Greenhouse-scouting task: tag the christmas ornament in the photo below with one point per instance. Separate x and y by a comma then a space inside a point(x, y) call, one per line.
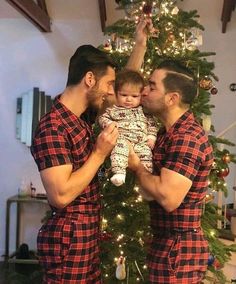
point(104, 236)
point(171, 37)
point(206, 122)
point(232, 87)
point(175, 11)
point(205, 83)
point(147, 9)
point(226, 158)
point(223, 173)
point(214, 165)
point(107, 45)
point(217, 265)
point(191, 43)
point(209, 198)
point(130, 10)
point(120, 269)
point(210, 260)
point(214, 91)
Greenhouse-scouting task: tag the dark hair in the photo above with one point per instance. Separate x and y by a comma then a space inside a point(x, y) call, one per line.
point(181, 79)
point(127, 76)
point(87, 58)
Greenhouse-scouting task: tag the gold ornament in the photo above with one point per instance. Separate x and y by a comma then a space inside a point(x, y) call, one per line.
point(209, 198)
point(226, 158)
point(206, 83)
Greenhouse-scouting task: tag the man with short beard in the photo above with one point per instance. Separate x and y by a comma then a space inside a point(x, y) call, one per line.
point(68, 159)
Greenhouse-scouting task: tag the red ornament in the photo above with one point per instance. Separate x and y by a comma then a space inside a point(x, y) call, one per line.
point(147, 9)
point(104, 236)
point(223, 173)
point(217, 265)
point(214, 91)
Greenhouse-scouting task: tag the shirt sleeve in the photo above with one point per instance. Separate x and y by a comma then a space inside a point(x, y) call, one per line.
point(51, 148)
point(105, 118)
point(184, 155)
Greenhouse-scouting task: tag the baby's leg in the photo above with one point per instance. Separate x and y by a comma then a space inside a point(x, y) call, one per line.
point(119, 161)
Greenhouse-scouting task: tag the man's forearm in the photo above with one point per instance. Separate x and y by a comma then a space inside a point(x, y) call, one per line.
point(136, 58)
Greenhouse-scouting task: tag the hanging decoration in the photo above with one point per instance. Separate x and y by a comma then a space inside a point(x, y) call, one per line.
point(209, 197)
point(120, 269)
point(206, 83)
point(105, 236)
point(226, 158)
point(214, 91)
point(223, 172)
point(194, 40)
point(211, 260)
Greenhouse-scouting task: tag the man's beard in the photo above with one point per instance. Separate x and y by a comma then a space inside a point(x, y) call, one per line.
point(92, 110)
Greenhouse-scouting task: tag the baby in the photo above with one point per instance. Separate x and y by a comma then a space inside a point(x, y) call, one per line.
point(134, 127)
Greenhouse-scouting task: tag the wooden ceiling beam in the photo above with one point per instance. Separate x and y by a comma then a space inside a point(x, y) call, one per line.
point(103, 13)
point(228, 7)
point(36, 14)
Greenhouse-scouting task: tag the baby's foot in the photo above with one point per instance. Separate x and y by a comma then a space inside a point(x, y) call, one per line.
point(118, 179)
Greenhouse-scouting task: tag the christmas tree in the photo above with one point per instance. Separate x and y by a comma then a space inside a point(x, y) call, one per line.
point(125, 220)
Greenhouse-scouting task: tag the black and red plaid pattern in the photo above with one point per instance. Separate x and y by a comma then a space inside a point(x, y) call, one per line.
point(68, 249)
point(178, 258)
point(63, 138)
point(186, 150)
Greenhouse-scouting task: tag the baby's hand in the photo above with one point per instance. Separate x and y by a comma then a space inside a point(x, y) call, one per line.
point(151, 143)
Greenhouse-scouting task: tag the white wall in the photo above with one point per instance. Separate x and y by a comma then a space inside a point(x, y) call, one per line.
point(29, 58)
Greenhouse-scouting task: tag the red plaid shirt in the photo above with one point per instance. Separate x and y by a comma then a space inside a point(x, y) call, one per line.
point(63, 138)
point(184, 149)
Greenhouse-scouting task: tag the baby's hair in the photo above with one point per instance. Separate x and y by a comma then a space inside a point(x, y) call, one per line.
point(127, 76)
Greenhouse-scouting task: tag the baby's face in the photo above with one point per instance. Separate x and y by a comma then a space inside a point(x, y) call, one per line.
point(129, 96)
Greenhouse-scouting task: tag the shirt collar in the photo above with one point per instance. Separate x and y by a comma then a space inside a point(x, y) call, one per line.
point(67, 116)
point(182, 120)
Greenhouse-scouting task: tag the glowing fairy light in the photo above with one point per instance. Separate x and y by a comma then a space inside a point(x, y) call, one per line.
point(212, 233)
point(120, 237)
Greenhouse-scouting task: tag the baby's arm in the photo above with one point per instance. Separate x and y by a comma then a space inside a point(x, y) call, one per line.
point(105, 118)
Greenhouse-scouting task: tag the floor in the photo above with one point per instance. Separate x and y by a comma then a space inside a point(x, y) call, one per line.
point(20, 274)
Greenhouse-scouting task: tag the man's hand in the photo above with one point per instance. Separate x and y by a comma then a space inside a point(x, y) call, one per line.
point(136, 58)
point(143, 28)
point(106, 140)
point(151, 143)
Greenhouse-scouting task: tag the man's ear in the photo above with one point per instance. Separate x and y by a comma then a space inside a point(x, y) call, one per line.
point(173, 98)
point(90, 79)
